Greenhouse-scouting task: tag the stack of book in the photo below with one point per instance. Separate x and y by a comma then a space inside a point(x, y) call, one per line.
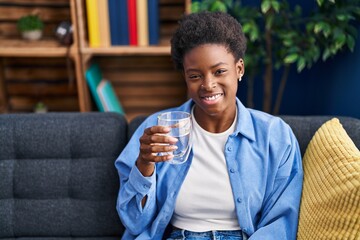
point(102, 91)
point(122, 22)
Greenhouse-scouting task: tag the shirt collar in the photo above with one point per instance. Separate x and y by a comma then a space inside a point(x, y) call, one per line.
point(244, 125)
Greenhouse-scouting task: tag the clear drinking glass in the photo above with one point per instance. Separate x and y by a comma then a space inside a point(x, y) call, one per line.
point(180, 124)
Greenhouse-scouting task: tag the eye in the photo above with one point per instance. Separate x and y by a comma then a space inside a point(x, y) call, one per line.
point(194, 77)
point(220, 71)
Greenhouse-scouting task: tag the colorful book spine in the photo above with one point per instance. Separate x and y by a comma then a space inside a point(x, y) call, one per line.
point(119, 22)
point(93, 77)
point(93, 23)
point(104, 25)
point(114, 19)
point(101, 96)
point(133, 38)
point(123, 22)
point(108, 97)
point(142, 22)
point(154, 22)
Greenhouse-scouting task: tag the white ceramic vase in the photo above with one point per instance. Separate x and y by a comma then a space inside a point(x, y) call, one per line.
point(32, 35)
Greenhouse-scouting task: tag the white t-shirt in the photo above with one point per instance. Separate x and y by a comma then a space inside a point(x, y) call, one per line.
point(205, 201)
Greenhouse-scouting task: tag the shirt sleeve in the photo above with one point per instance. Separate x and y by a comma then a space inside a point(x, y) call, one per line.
point(133, 188)
point(280, 211)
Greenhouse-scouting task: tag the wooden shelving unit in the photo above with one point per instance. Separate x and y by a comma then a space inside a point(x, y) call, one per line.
point(140, 51)
point(41, 48)
point(143, 77)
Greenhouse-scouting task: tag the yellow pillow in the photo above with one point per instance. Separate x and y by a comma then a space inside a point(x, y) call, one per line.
point(330, 203)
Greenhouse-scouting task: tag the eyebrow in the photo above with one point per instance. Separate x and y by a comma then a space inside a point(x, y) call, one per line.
point(218, 64)
point(213, 66)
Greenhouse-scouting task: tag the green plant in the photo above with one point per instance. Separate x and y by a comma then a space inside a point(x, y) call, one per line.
point(279, 36)
point(30, 22)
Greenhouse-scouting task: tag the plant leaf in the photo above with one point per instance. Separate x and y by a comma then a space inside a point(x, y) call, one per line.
point(276, 6)
point(324, 27)
point(326, 54)
point(301, 63)
point(344, 17)
point(218, 6)
point(320, 2)
point(291, 58)
point(269, 21)
point(350, 41)
point(195, 7)
point(265, 6)
point(246, 27)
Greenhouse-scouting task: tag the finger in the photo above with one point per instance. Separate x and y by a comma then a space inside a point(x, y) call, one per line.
point(157, 138)
point(157, 130)
point(155, 149)
point(153, 158)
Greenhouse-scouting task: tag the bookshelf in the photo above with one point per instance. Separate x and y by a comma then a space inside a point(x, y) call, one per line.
point(143, 77)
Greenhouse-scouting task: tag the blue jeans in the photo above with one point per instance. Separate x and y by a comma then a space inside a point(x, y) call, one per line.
point(210, 235)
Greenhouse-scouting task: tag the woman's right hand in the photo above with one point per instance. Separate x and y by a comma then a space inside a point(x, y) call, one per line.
point(154, 141)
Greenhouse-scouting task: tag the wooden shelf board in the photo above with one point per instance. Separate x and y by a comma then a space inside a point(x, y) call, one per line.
point(128, 50)
point(41, 48)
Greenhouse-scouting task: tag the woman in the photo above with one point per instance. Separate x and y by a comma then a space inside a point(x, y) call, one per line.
point(243, 176)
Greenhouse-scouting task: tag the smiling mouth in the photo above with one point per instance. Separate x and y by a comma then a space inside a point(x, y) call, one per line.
point(213, 97)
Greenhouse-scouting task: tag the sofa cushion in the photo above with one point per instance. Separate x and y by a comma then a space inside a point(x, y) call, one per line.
point(57, 174)
point(330, 204)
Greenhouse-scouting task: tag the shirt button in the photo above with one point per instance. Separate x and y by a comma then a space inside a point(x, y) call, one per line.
point(239, 200)
point(145, 186)
point(232, 170)
point(229, 149)
point(244, 230)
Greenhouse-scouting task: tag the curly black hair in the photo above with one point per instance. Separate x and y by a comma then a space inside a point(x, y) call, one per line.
point(207, 27)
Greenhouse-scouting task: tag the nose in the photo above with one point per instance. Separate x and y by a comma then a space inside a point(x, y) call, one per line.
point(208, 83)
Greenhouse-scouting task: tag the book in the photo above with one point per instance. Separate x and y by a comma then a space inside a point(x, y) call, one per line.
point(114, 19)
point(154, 22)
point(104, 26)
point(93, 77)
point(142, 22)
point(119, 23)
point(108, 97)
point(124, 23)
point(93, 23)
point(133, 38)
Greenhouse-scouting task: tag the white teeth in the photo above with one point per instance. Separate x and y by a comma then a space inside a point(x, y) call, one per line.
point(212, 98)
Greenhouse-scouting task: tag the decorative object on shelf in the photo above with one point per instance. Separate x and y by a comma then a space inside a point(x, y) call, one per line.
point(64, 33)
point(30, 27)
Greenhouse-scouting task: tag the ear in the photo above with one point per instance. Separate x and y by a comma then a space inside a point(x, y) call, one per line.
point(240, 68)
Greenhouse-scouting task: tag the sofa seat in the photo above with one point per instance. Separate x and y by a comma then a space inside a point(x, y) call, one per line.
point(58, 177)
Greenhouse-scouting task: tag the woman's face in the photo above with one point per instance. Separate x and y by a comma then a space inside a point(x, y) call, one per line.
point(211, 75)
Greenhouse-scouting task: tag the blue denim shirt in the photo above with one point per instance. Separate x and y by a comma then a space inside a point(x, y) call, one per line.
point(265, 170)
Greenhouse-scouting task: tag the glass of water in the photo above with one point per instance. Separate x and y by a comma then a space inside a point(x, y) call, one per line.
point(180, 125)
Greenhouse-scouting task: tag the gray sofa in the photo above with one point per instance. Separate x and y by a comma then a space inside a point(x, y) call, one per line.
point(57, 175)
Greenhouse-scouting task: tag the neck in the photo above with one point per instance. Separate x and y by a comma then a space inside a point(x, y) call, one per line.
point(215, 123)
